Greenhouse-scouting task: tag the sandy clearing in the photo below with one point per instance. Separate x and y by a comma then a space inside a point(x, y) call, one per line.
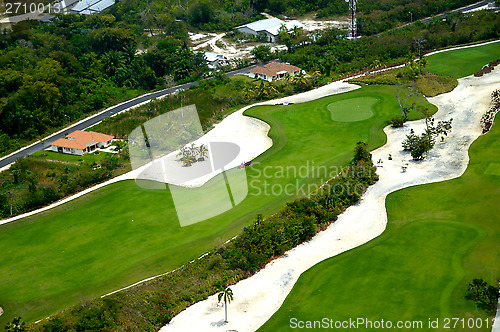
point(258, 297)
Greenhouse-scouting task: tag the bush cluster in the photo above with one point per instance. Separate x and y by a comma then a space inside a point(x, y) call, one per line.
point(419, 146)
point(33, 182)
point(484, 295)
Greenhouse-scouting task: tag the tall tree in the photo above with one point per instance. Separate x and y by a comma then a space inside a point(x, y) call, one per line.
point(224, 293)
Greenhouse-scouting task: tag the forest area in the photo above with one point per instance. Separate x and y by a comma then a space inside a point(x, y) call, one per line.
point(73, 66)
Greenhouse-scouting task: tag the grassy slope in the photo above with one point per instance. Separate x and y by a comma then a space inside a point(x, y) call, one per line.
point(464, 62)
point(91, 246)
point(420, 266)
point(88, 158)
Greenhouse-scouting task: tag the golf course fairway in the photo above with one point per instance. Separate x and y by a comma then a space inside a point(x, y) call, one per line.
point(463, 62)
point(120, 234)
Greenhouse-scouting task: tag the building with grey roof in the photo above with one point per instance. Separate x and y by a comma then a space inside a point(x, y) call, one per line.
point(269, 28)
point(87, 7)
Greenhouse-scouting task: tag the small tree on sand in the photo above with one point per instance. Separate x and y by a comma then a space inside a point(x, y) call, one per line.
point(403, 94)
point(224, 293)
point(202, 152)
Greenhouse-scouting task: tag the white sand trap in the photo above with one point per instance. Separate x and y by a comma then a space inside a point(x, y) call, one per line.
point(258, 297)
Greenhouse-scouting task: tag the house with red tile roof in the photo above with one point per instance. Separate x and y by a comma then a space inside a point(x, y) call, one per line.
point(273, 71)
point(81, 142)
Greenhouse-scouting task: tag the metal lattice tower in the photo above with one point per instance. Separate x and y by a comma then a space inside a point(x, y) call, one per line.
point(353, 26)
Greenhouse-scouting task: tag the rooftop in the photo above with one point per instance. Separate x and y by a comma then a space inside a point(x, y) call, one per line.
point(271, 25)
point(81, 139)
point(273, 68)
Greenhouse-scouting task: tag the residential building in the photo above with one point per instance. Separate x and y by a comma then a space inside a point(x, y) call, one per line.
point(273, 71)
point(88, 7)
point(81, 142)
point(215, 60)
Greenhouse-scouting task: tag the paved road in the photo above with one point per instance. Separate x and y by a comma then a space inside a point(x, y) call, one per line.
point(463, 9)
point(92, 120)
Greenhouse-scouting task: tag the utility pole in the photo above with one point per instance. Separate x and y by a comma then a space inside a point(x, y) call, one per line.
point(352, 21)
point(69, 118)
point(411, 17)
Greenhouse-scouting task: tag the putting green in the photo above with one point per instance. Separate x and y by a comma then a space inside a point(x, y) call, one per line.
point(352, 110)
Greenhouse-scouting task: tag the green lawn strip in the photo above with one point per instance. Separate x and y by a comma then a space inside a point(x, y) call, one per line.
point(439, 237)
point(88, 158)
point(463, 62)
point(91, 246)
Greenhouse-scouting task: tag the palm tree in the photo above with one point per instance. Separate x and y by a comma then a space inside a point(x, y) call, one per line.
point(376, 65)
point(193, 150)
point(422, 64)
point(249, 91)
point(315, 75)
point(288, 78)
point(264, 90)
point(129, 52)
point(202, 152)
point(112, 61)
point(226, 293)
point(410, 62)
point(185, 155)
point(300, 79)
point(17, 325)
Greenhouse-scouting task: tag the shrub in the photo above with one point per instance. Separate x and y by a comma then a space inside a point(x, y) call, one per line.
point(484, 295)
point(420, 145)
point(215, 261)
point(55, 324)
point(397, 122)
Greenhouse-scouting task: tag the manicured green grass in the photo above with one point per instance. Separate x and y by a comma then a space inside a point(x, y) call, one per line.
point(121, 233)
point(439, 237)
point(352, 110)
point(463, 62)
point(88, 158)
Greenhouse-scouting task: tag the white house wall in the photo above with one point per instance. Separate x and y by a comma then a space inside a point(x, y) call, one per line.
point(247, 31)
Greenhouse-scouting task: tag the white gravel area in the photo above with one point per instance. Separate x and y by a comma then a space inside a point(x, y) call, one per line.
point(258, 297)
